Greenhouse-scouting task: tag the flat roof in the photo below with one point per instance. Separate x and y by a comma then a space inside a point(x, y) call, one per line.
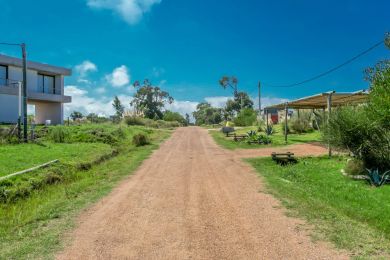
point(321, 100)
point(42, 67)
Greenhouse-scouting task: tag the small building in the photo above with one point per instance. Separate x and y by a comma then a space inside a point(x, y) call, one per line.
point(273, 115)
point(45, 90)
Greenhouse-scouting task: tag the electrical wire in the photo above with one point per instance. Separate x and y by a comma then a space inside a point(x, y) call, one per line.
point(12, 44)
point(328, 71)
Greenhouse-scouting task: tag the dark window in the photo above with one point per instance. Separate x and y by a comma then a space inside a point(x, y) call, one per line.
point(3, 75)
point(46, 84)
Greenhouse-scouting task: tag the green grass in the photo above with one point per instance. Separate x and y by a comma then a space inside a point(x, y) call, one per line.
point(19, 157)
point(277, 138)
point(349, 213)
point(34, 227)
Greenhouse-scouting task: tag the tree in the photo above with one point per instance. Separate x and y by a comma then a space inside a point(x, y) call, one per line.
point(174, 116)
point(150, 100)
point(92, 117)
point(119, 108)
point(76, 115)
point(229, 82)
point(206, 114)
point(241, 100)
point(387, 40)
point(365, 130)
point(188, 119)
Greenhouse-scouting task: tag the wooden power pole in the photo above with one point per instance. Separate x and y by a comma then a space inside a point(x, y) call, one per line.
point(259, 100)
point(23, 45)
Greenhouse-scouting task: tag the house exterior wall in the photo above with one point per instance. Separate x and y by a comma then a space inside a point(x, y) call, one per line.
point(48, 105)
point(48, 111)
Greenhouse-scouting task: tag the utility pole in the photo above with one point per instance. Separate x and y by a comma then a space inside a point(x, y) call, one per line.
point(23, 46)
point(259, 100)
point(20, 111)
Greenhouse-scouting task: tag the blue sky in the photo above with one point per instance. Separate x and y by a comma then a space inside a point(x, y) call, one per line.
point(186, 46)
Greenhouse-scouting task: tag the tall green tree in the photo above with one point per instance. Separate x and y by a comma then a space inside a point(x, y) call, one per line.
point(188, 119)
point(76, 115)
point(206, 114)
point(92, 117)
point(174, 116)
point(119, 108)
point(150, 100)
point(240, 101)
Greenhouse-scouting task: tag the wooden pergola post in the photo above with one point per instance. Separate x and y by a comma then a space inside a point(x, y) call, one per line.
point(285, 122)
point(329, 105)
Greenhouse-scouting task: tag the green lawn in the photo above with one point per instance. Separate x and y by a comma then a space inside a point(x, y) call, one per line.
point(19, 157)
point(351, 214)
point(33, 228)
point(277, 138)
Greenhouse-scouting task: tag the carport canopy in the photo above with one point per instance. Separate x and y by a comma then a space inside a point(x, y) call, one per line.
point(320, 101)
point(323, 101)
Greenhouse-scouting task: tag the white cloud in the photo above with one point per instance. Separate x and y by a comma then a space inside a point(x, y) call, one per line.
point(182, 107)
point(217, 101)
point(100, 90)
point(85, 67)
point(220, 101)
point(131, 11)
point(267, 101)
point(81, 101)
point(119, 77)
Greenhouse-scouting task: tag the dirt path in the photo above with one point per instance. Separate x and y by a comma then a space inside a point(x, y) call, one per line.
point(192, 199)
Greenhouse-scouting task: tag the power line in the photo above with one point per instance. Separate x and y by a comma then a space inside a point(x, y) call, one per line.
point(328, 71)
point(12, 44)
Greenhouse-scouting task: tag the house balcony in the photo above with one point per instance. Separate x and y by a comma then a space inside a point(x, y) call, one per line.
point(10, 87)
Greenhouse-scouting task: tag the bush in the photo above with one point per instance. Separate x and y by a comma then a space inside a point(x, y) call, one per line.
point(300, 126)
point(350, 128)
point(302, 123)
point(59, 134)
point(354, 167)
point(246, 117)
point(174, 116)
point(134, 120)
point(140, 140)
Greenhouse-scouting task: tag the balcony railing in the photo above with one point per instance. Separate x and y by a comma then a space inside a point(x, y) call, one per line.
point(9, 83)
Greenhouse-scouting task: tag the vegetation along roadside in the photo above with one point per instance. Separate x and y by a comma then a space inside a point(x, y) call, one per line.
point(37, 208)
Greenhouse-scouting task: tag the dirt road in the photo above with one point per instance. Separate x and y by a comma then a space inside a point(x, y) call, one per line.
point(192, 200)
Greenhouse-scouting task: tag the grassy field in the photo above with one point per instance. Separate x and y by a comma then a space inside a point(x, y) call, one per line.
point(349, 213)
point(19, 157)
point(33, 227)
point(277, 138)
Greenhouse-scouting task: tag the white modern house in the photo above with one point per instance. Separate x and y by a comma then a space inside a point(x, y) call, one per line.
point(45, 90)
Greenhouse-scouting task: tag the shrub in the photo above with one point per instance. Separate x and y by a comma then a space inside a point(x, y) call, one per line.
point(134, 120)
point(140, 140)
point(350, 128)
point(246, 117)
point(59, 134)
point(302, 123)
point(354, 167)
point(174, 116)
